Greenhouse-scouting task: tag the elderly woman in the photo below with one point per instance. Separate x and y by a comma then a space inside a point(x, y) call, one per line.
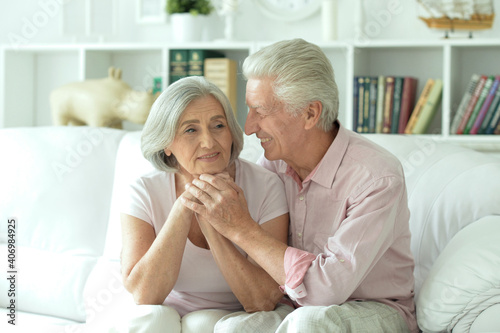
point(174, 263)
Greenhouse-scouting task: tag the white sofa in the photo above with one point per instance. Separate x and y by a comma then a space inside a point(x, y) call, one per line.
point(61, 185)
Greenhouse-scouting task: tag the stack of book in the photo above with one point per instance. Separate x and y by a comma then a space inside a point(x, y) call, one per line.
point(387, 104)
point(479, 108)
point(208, 63)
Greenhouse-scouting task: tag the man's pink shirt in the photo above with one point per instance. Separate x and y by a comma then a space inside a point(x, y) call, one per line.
point(349, 233)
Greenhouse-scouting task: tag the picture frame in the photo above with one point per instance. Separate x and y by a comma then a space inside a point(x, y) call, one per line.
point(151, 11)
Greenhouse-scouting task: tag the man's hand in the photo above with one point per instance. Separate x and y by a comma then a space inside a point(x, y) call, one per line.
point(219, 201)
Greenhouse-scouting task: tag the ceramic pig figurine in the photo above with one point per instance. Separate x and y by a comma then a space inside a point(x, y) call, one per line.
point(101, 102)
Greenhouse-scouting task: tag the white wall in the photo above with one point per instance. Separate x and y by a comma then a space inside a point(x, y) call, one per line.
point(39, 21)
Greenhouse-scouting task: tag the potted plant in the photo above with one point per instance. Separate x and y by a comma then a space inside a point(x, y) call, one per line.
point(188, 18)
point(194, 7)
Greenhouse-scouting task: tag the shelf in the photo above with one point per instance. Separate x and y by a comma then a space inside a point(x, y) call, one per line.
point(30, 72)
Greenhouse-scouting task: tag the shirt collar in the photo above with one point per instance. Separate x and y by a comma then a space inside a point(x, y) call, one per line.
point(324, 173)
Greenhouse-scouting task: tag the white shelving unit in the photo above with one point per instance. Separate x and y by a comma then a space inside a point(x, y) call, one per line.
point(28, 74)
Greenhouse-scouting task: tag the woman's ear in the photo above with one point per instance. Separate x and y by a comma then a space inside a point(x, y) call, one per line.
point(312, 114)
point(167, 151)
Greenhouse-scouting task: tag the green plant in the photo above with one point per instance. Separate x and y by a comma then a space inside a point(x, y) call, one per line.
point(195, 7)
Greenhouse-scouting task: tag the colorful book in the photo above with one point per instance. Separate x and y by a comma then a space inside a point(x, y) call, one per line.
point(464, 103)
point(178, 65)
point(366, 104)
point(485, 107)
point(388, 104)
point(490, 113)
point(223, 73)
point(361, 99)
point(495, 121)
point(396, 103)
point(479, 104)
point(419, 106)
point(355, 94)
point(472, 103)
point(372, 113)
point(430, 108)
point(196, 60)
point(380, 104)
point(407, 102)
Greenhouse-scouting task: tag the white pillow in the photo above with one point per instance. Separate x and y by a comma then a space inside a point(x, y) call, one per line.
point(464, 281)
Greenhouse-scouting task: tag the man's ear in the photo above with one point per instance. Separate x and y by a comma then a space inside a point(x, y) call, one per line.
point(312, 114)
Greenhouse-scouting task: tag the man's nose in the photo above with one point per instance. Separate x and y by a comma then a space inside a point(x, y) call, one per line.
point(251, 123)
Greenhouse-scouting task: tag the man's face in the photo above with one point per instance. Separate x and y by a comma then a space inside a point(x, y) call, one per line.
point(279, 132)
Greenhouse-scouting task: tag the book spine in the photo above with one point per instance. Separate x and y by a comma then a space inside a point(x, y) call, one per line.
point(388, 104)
point(479, 104)
point(197, 60)
point(222, 73)
point(472, 103)
point(495, 121)
point(355, 94)
point(486, 105)
point(396, 104)
point(430, 108)
point(464, 102)
point(178, 65)
point(419, 106)
point(380, 104)
point(361, 98)
point(407, 102)
point(373, 105)
point(366, 105)
point(491, 113)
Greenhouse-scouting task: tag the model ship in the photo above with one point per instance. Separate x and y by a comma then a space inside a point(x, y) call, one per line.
point(454, 15)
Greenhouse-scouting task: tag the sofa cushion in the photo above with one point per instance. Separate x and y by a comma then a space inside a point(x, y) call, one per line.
point(464, 281)
point(59, 181)
point(449, 187)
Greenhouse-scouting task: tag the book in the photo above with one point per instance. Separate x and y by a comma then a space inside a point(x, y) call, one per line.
point(355, 94)
point(396, 103)
point(430, 108)
point(485, 107)
point(490, 113)
point(495, 121)
point(479, 104)
point(223, 73)
point(470, 107)
point(459, 114)
point(419, 106)
point(361, 98)
point(379, 122)
point(196, 60)
point(372, 113)
point(366, 105)
point(388, 104)
point(407, 102)
point(178, 65)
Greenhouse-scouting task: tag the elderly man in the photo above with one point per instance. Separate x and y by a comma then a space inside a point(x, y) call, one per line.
point(347, 266)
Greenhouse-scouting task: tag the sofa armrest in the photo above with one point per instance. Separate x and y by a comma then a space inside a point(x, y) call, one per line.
point(464, 280)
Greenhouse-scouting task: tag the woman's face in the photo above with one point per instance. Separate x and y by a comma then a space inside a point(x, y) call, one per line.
point(202, 143)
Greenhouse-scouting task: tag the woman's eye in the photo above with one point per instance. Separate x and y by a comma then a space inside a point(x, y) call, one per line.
point(189, 130)
point(220, 126)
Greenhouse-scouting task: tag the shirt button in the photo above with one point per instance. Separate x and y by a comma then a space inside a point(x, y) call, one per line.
point(299, 234)
point(301, 198)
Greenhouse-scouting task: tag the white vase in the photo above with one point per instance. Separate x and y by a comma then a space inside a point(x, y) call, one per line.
point(186, 27)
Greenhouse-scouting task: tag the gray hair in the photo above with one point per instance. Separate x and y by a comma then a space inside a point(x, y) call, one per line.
point(163, 120)
point(301, 74)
